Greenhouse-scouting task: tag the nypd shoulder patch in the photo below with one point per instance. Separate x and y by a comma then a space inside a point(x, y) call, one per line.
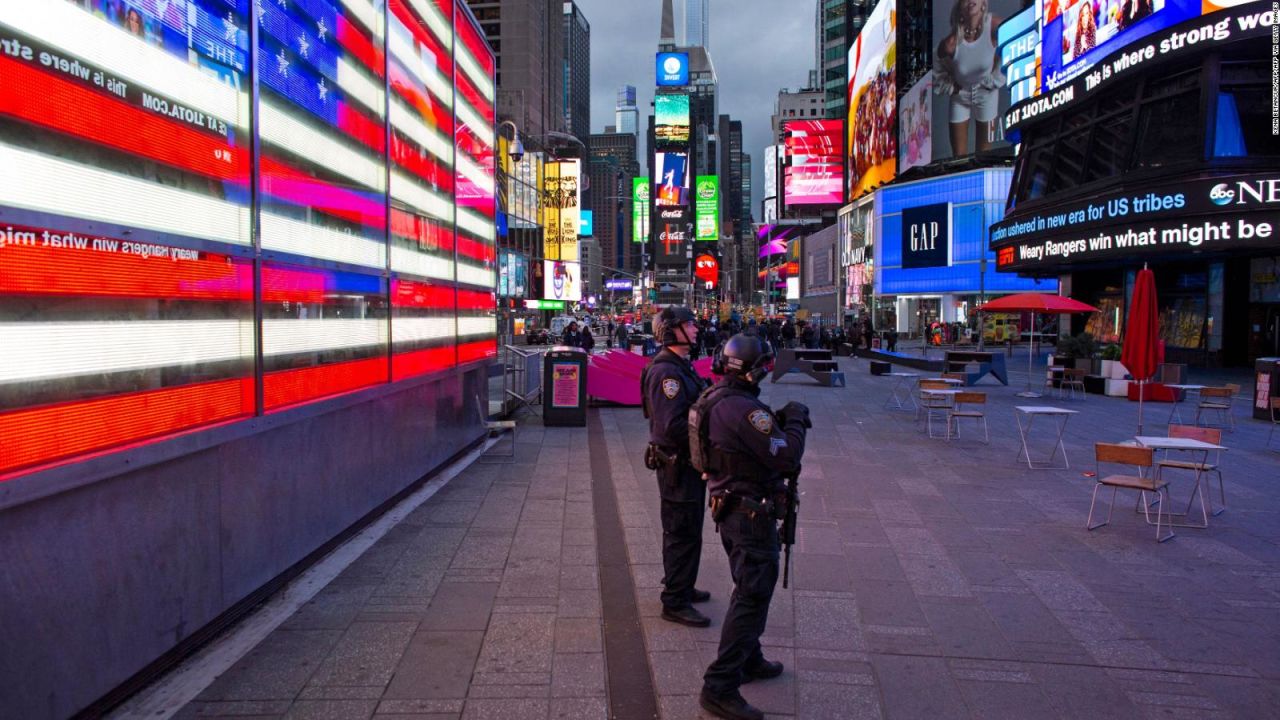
point(761, 420)
point(671, 388)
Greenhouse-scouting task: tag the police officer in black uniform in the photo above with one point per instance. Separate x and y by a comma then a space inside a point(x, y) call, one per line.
point(750, 450)
point(669, 386)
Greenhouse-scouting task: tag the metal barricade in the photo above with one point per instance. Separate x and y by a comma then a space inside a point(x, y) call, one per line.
point(521, 378)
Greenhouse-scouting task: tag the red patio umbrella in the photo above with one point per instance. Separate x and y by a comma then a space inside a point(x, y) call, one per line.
point(1035, 303)
point(1142, 335)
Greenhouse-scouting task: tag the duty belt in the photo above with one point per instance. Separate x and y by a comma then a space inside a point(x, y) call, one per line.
point(743, 504)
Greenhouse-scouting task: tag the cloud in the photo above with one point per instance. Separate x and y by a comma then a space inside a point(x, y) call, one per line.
point(758, 47)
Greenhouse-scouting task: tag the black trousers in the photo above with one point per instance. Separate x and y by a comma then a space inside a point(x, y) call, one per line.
point(752, 544)
point(683, 507)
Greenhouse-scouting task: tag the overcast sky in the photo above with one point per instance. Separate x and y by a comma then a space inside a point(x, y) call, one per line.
point(758, 47)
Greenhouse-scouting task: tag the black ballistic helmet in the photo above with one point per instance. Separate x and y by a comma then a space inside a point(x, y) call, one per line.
point(744, 356)
point(668, 320)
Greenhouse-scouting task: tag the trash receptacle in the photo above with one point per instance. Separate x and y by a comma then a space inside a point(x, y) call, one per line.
point(1266, 386)
point(564, 391)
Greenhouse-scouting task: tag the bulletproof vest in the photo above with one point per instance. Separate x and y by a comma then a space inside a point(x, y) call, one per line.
point(702, 455)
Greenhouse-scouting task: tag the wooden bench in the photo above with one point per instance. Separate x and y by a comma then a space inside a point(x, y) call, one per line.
point(817, 364)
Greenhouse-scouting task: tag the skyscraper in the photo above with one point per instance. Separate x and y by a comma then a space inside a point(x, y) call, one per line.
point(528, 39)
point(836, 23)
point(697, 19)
point(626, 114)
point(576, 99)
point(612, 165)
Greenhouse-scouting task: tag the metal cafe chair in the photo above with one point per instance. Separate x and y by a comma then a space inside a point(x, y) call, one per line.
point(1218, 399)
point(972, 406)
point(495, 429)
point(1209, 435)
point(1146, 481)
point(1072, 381)
point(932, 403)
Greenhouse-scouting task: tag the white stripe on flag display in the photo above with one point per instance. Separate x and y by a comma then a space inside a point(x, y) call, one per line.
point(287, 337)
point(66, 26)
point(366, 13)
point(476, 326)
point(300, 238)
point(407, 54)
point(438, 23)
point(434, 267)
point(416, 329)
point(472, 275)
point(482, 130)
point(473, 172)
point(48, 350)
point(280, 128)
point(477, 225)
point(39, 182)
point(358, 85)
point(474, 73)
point(428, 138)
point(405, 189)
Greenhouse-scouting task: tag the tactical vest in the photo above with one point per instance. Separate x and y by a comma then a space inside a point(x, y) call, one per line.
point(702, 455)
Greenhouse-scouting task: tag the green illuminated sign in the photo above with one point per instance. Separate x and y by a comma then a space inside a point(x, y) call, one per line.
point(706, 207)
point(640, 209)
point(544, 304)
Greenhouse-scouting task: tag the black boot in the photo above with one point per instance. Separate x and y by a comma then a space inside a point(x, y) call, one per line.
point(731, 707)
point(700, 596)
point(685, 616)
point(763, 670)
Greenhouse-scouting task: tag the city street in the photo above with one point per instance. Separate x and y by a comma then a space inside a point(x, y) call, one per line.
point(931, 579)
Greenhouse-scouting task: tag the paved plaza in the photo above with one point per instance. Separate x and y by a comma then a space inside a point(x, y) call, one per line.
point(931, 579)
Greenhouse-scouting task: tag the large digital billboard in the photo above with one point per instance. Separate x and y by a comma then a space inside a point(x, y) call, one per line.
point(560, 209)
point(561, 281)
point(671, 119)
point(813, 171)
point(129, 297)
point(872, 128)
point(671, 179)
point(672, 69)
point(706, 207)
point(969, 93)
point(1075, 34)
point(675, 231)
point(640, 209)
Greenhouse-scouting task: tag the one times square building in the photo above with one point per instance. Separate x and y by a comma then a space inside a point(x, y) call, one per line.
point(1148, 136)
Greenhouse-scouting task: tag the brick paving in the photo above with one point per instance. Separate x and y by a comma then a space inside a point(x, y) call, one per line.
point(931, 579)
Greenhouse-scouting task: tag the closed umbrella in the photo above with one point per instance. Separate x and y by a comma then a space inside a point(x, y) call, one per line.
point(1035, 303)
point(1141, 335)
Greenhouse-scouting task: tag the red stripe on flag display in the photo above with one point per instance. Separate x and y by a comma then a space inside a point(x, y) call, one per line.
point(478, 350)
point(428, 234)
point(419, 29)
point(433, 112)
point(475, 300)
point(423, 166)
point(41, 435)
point(289, 387)
point(62, 105)
point(287, 183)
point(361, 127)
point(477, 250)
point(101, 269)
point(468, 92)
point(475, 44)
point(421, 362)
point(409, 294)
point(360, 47)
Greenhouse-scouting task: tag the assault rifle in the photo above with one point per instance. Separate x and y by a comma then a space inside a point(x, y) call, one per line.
point(788, 530)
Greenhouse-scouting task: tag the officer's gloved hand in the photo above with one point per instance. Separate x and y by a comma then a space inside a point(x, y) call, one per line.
point(796, 411)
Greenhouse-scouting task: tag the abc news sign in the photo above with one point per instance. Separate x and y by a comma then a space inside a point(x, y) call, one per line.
point(1220, 213)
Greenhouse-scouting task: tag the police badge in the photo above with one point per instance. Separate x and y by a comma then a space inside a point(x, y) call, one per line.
point(761, 420)
point(671, 388)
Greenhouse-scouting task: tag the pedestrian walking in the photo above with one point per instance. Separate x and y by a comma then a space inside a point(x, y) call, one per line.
point(608, 334)
point(746, 451)
point(585, 340)
point(669, 386)
point(624, 338)
point(572, 337)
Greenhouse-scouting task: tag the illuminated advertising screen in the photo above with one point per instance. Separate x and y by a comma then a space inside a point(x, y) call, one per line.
point(560, 210)
point(968, 90)
point(706, 207)
point(586, 223)
point(671, 119)
point(707, 269)
point(127, 289)
point(814, 163)
point(639, 209)
point(1018, 43)
point(671, 179)
point(1075, 34)
point(675, 231)
point(915, 125)
point(561, 281)
point(672, 69)
point(872, 130)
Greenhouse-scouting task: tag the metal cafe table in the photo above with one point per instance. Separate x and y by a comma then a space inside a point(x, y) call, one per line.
point(901, 380)
point(1187, 445)
point(1031, 412)
point(1180, 391)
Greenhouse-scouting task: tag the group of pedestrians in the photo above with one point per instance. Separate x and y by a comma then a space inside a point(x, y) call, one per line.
point(744, 450)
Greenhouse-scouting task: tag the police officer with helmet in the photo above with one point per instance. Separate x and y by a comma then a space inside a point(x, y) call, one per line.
point(746, 451)
point(669, 386)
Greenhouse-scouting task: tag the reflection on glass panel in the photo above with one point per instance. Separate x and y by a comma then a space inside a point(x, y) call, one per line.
point(127, 115)
point(323, 169)
point(474, 183)
point(323, 332)
point(108, 342)
point(421, 70)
